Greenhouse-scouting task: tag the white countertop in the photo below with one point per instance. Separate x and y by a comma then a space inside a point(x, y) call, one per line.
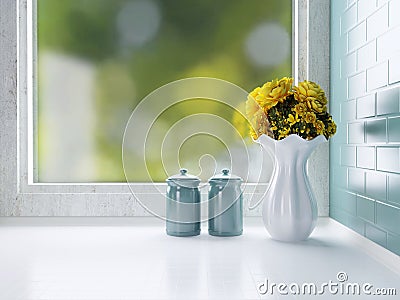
point(133, 258)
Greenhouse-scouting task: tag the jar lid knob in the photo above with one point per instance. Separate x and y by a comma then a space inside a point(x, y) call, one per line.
point(225, 171)
point(183, 171)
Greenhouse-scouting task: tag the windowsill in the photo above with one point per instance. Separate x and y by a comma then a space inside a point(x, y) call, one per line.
point(325, 230)
point(134, 258)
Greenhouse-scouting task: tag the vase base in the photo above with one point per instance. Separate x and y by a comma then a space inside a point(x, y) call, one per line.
point(289, 240)
point(293, 237)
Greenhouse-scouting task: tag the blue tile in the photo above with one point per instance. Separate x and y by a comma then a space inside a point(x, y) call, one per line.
point(377, 23)
point(394, 130)
point(388, 217)
point(357, 224)
point(393, 243)
point(335, 152)
point(387, 159)
point(348, 156)
point(394, 188)
point(340, 177)
point(348, 220)
point(338, 7)
point(356, 180)
point(357, 38)
point(366, 106)
point(387, 102)
point(337, 214)
point(356, 133)
point(375, 131)
point(394, 69)
point(366, 209)
point(364, 57)
point(377, 76)
point(334, 199)
point(348, 65)
point(366, 157)
point(348, 110)
point(375, 185)
point(339, 94)
point(340, 136)
point(348, 202)
point(375, 234)
point(349, 19)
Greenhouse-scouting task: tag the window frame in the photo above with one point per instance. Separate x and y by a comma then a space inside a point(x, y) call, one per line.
point(21, 196)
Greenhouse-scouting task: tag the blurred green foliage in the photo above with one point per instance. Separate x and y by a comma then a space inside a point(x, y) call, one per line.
point(195, 38)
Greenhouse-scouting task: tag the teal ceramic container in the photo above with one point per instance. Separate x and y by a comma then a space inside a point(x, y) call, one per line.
point(225, 206)
point(183, 205)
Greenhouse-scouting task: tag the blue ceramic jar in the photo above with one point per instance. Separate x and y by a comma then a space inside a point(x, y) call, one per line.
point(225, 206)
point(183, 205)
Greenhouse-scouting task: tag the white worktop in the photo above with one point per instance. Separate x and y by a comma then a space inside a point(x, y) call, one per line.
point(72, 258)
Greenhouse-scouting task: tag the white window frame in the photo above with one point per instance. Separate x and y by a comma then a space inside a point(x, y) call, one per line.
point(20, 196)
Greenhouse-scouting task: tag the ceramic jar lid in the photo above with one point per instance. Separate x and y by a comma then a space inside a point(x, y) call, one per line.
point(184, 179)
point(225, 176)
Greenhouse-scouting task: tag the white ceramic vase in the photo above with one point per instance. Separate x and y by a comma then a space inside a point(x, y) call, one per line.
point(289, 206)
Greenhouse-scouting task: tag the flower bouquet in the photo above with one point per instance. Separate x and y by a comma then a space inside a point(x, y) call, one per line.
point(289, 122)
point(279, 109)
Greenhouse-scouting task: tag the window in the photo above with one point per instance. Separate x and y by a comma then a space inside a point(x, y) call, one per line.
point(96, 60)
point(21, 192)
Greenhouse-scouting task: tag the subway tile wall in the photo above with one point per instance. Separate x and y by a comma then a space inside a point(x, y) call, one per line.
point(365, 102)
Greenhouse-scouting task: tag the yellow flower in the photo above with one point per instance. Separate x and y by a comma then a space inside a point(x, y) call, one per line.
point(273, 126)
point(257, 118)
point(318, 105)
point(310, 117)
point(300, 109)
point(284, 132)
point(252, 106)
point(319, 126)
point(303, 129)
point(307, 89)
point(259, 126)
point(312, 94)
point(277, 110)
point(331, 130)
point(273, 92)
point(293, 119)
